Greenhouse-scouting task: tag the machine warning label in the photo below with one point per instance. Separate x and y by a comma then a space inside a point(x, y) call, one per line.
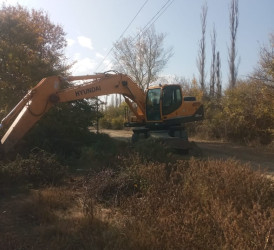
point(87, 91)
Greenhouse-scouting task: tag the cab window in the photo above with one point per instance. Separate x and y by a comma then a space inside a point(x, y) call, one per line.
point(153, 104)
point(172, 99)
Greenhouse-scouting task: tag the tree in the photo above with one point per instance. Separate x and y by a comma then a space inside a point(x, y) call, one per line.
point(218, 75)
point(142, 56)
point(234, 23)
point(31, 47)
point(202, 47)
point(248, 112)
point(265, 69)
point(213, 64)
point(113, 117)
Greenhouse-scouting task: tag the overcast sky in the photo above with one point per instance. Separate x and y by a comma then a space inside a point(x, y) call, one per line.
point(92, 26)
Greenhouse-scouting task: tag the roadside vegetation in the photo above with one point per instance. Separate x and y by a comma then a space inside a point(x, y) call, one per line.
point(244, 114)
point(113, 117)
point(248, 105)
point(131, 198)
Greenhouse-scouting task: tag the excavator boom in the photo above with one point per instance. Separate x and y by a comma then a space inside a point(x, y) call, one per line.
point(49, 92)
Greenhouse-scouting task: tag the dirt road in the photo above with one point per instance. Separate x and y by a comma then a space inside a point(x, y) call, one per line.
point(257, 157)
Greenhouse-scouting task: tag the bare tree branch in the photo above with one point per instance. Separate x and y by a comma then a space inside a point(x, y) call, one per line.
point(142, 57)
point(265, 70)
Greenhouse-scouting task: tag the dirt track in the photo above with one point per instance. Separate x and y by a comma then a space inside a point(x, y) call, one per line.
point(258, 157)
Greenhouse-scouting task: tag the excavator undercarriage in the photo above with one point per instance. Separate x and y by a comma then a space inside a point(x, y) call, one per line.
point(176, 139)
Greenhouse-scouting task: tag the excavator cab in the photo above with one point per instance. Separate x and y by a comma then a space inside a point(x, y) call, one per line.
point(167, 111)
point(166, 106)
point(162, 101)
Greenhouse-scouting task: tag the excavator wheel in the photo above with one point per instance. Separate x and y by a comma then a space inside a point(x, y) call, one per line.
point(176, 140)
point(140, 133)
point(134, 137)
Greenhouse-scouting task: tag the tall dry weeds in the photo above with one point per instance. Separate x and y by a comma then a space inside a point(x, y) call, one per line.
point(197, 205)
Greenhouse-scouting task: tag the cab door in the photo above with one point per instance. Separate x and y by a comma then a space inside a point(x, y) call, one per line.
point(153, 104)
point(172, 100)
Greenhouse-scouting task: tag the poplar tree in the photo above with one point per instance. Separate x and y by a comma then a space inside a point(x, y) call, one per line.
point(201, 60)
point(234, 23)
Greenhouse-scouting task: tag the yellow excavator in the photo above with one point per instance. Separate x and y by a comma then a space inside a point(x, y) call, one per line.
point(161, 108)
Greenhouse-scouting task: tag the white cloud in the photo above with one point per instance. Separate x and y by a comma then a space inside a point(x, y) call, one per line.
point(77, 56)
point(83, 66)
point(108, 65)
point(85, 42)
point(70, 41)
point(99, 55)
point(14, 2)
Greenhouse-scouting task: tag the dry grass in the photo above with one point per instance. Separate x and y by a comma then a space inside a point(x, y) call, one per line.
point(143, 204)
point(196, 204)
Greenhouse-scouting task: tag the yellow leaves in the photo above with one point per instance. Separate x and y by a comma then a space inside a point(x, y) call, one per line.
point(30, 49)
point(40, 40)
point(194, 82)
point(248, 110)
point(10, 56)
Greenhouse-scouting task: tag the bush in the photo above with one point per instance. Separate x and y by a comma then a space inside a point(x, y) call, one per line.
point(244, 114)
point(202, 205)
point(113, 117)
point(102, 153)
point(68, 134)
point(40, 168)
point(188, 204)
point(248, 112)
point(112, 187)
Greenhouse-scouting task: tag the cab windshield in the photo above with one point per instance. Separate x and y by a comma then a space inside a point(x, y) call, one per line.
point(153, 104)
point(172, 99)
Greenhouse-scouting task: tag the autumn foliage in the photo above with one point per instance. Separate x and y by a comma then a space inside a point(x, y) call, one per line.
point(244, 114)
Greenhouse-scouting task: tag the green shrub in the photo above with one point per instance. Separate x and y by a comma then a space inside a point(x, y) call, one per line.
point(62, 131)
point(117, 123)
point(105, 123)
point(40, 168)
point(102, 153)
point(244, 114)
point(113, 117)
point(248, 112)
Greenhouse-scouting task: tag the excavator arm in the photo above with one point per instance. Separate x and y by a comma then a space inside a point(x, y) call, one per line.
point(48, 92)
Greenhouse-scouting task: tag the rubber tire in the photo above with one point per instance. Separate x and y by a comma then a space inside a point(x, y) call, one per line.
point(135, 138)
